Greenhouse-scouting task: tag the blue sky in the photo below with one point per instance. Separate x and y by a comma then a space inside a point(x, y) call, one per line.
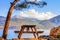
point(52, 6)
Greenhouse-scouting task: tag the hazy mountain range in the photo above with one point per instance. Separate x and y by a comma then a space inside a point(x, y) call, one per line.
point(17, 21)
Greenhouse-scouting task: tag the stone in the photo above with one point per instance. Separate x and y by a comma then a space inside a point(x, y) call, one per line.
point(55, 32)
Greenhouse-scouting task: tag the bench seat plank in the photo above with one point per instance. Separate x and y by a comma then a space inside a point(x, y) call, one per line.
point(29, 32)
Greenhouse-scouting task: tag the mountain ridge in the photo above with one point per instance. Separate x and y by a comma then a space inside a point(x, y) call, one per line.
point(41, 23)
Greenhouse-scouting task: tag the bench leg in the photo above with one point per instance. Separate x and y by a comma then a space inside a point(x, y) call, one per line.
point(36, 31)
point(20, 33)
point(33, 32)
point(27, 29)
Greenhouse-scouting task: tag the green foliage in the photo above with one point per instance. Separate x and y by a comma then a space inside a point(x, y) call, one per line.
point(26, 3)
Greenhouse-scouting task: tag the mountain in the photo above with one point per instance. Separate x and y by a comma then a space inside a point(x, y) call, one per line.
point(2, 20)
point(2, 17)
point(17, 21)
point(45, 23)
point(55, 20)
point(21, 17)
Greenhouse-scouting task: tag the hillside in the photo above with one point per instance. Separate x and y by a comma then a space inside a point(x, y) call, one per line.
point(43, 24)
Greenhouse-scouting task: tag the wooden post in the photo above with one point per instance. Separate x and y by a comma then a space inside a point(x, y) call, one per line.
point(7, 22)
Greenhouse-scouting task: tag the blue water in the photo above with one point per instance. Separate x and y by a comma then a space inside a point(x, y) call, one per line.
point(11, 34)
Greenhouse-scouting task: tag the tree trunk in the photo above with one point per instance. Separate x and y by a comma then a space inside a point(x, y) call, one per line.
point(5, 31)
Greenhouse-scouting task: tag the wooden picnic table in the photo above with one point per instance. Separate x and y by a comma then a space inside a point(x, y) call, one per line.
point(28, 27)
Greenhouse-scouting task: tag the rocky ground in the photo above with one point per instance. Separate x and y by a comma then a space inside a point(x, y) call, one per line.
point(54, 34)
point(48, 38)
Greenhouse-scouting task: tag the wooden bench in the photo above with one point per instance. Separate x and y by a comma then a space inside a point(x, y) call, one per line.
point(28, 27)
point(29, 32)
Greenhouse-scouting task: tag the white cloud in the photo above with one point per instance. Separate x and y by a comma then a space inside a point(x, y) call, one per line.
point(33, 0)
point(38, 0)
point(35, 14)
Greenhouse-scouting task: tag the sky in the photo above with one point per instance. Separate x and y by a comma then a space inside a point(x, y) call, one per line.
point(51, 10)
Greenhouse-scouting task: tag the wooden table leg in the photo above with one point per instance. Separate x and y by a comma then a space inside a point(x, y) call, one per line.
point(33, 32)
point(20, 33)
point(27, 29)
point(36, 31)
